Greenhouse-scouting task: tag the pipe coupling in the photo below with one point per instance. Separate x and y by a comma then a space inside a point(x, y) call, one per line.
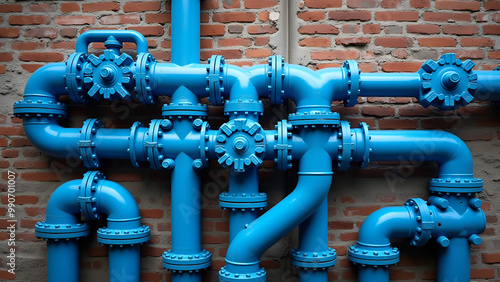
point(186, 262)
point(215, 80)
point(124, 237)
point(313, 260)
point(184, 109)
point(353, 77)
point(276, 79)
point(88, 192)
point(456, 185)
point(243, 201)
point(283, 149)
point(227, 276)
point(39, 108)
point(370, 255)
point(244, 107)
point(143, 90)
point(314, 119)
point(425, 221)
point(58, 232)
point(86, 144)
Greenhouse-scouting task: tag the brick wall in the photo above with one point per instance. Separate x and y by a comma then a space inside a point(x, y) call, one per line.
point(387, 35)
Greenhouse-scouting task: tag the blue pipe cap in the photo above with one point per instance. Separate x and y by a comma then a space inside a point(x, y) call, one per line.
point(475, 239)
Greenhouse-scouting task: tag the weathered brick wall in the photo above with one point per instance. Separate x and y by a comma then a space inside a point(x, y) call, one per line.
point(387, 35)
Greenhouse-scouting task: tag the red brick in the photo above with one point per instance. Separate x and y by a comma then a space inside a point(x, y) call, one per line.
point(364, 211)
point(41, 32)
point(361, 3)
point(5, 57)
point(257, 53)
point(414, 111)
point(423, 28)
point(212, 30)
point(352, 15)
point(31, 68)
point(336, 55)
point(63, 45)
point(378, 111)
point(404, 16)
point(235, 4)
point(494, 55)
point(492, 5)
point(475, 135)
point(215, 239)
point(234, 17)
point(158, 18)
point(7, 32)
point(371, 28)
point(150, 276)
point(399, 274)
point(209, 4)
point(460, 29)
point(390, 3)
point(458, 5)
point(142, 6)
point(482, 17)
point(491, 258)
point(261, 29)
point(27, 46)
point(491, 29)
point(120, 19)
point(311, 16)
point(20, 142)
point(74, 20)
point(68, 32)
point(394, 42)
point(227, 53)
point(43, 7)
point(340, 225)
point(437, 42)
point(151, 213)
point(420, 3)
point(11, 8)
point(352, 41)
point(226, 42)
point(445, 17)
point(467, 54)
point(264, 16)
point(100, 6)
point(259, 4)
point(70, 7)
point(40, 176)
point(260, 41)
point(397, 124)
point(318, 29)
point(3, 69)
point(11, 130)
point(434, 123)
point(148, 30)
point(4, 274)
point(41, 57)
point(482, 273)
point(315, 42)
point(321, 4)
point(350, 28)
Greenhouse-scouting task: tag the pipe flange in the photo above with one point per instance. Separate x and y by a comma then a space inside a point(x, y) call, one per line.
point(246, 107)
point(57, 232)
point(184, 109)
point(204, 138)
point(345, 150)
point(215, 80)
point(314, 118)
point(447, 83)
point(86, 143)
point(368, 149)
point(153, 147)
point(425, 221)
point(142, 88)
point(313, 260)
point(74, 77)
point(186, 262)
point(131, 143)
point(240, 142)
point(243, 201)
point(456, 185)
point(87, 198)
point(369, 255)
point(276, 78)
point(39, 108)
point(226, 276)
point(283, 148)
point(108, 74)
point(121, 237)
point(353, 74)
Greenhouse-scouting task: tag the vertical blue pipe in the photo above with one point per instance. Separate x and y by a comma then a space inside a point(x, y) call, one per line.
point(454, 261)
point(186, 214)
point(63, 260)
point(314, 238)
point(185, 32)
point(124, 263)
point(373, 274)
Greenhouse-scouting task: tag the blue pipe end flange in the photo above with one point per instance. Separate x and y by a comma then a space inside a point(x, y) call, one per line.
point(276, 79)
point(226, 276)
point(152, 144)
point(86, 144)
point(314, 119)
point(369, 255)
point(204, 138)
point(447, 83)
point(456, 185)
point(366, 138)
point(184, 109)
point(425, 221)
point(143, 91)
point(353, 78)
point(243, 201)
point(39, 108)
point(283, 149)
point(57, 232)
point(345, 149)
point(124, 237)
point(186, 262)
point(74, 77)
point(244, 107)
point(240, 142)
point(88, 190)
point(215, 80)
point(131, 143)
point(313, 260)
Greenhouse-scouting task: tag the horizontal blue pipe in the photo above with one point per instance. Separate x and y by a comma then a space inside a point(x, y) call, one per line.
point(90, 36)
point(488, 86)
point(390, 85)
point(449, 151)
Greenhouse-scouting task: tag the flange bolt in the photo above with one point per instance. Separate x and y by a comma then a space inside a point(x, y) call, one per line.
point(240, 144)
point(168, 164)
point(197, 123)
point(475, 239)
point(475, 203)
point(166, 124)
point(197, 164)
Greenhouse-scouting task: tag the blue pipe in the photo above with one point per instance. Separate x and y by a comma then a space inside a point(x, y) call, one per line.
point(185, 32)
point(488, 86)
point(390, 85)
point(453, 262)
point(90, 36)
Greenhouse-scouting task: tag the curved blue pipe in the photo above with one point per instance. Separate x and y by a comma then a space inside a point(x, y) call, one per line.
point(315, 171)
point(385, 224)
point(90, 36)
point(51, 138)
point(46, 83)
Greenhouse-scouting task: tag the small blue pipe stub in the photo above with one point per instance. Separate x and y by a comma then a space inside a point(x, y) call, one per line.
point(186, 262)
